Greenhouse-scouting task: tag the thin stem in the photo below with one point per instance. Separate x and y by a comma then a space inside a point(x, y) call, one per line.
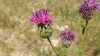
point(52, 46)
point(81, 45)
point(84, 27)
point(82, 39)
point(86, 23)
point(64, 50)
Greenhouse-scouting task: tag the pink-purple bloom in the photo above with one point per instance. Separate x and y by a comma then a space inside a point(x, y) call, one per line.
point(88, 7)
point(41, 17)
point(67, 36)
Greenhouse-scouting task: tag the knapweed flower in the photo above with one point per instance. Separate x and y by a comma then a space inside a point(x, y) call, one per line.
point(41, 17)
point(67, 37)
point(88, 7)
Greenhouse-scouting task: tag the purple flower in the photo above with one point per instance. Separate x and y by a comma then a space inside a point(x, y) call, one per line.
point(87, 8)
point(67, 36)
point(41, 17)
point(93, 4)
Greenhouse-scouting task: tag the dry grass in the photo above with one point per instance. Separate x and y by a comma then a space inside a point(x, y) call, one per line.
point(19, 37)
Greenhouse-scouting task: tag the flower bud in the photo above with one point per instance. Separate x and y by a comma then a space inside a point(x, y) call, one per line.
point(88, 17)
point(45, 32)
point(66, 44)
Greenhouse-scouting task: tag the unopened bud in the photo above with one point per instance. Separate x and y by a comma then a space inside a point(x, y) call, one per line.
point(66, 44)
point(88, 17)
point(45, 32)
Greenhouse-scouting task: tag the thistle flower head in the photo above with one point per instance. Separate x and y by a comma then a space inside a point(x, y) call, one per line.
point(88, 7)
point(67, 36)
point(41, 17)
point(93, 4)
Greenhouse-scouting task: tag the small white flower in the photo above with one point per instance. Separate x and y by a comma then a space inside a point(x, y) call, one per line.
point(57, 27)
point(66, 26)
point(61, 28)
point(54, 42)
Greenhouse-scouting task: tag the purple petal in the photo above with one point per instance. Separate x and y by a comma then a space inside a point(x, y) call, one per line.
point(41, 17)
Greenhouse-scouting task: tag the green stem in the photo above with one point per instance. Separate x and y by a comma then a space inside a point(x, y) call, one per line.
point(52, 46)
point(84, 27)
point(82, 39)
point(86, 23)
point(81, 45)
point(64, 51)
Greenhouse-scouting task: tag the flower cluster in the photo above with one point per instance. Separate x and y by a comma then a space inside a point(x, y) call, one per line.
point(41, 17)
point(87, 8)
